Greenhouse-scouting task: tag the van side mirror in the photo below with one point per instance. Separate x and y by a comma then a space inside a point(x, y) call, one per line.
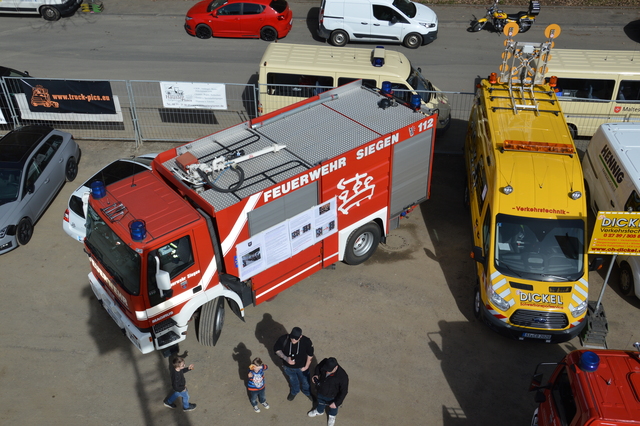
point(476, 254)
point(394, 20)
point(596, 264)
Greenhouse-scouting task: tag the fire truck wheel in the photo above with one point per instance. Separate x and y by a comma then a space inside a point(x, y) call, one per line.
point(50, 13)
point(476, 301)
point(626, 279)
point(203, 31)
point(211, 321)
point(71, 170)
point(362, 243)
point(24, 231)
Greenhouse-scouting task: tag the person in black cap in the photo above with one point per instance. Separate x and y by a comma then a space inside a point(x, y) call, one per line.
point(297, 352)
point(332, 385)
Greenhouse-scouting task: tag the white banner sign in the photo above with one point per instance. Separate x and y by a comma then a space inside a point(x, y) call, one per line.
point(193, 95)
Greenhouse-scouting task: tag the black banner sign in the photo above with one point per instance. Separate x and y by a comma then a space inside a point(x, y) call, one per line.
point(68, 96)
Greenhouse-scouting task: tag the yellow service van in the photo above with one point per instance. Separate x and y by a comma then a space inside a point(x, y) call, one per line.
point(529, 218)
point(596, 87)
point(292, 72)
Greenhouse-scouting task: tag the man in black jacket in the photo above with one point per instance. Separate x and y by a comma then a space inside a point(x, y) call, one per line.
point(332, 385)
point(297, 352)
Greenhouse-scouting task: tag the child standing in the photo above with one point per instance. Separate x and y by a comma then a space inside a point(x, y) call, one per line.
point(255, 385)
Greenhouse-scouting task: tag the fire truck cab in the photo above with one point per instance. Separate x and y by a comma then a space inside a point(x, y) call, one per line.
point(589, 387)
point(247, 212)
point(524, 190)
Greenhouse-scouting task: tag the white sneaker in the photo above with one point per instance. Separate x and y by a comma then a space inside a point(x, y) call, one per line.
point(266, 405)
point(331, 421)
point(313, 413)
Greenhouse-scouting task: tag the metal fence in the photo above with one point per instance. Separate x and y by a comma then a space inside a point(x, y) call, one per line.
point(142, 116)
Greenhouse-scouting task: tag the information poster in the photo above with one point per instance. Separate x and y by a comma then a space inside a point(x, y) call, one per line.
point(193, 95)
point(280, 242)
point(616, 233)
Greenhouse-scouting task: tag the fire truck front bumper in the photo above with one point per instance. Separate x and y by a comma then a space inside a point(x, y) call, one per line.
point(142, 340)
point(524, 333)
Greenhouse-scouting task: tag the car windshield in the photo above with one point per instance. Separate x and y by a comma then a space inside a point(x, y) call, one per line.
point(117, 258)
point(540, 249)
point(9, 185)
point(417, 81)
point(406, 7)
point(215, 4)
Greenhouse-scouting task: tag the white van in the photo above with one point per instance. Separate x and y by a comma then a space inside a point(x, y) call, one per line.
point(51, 10)
point(387, 21)
point(611, 167)
point(596, 87)
point(291, 72)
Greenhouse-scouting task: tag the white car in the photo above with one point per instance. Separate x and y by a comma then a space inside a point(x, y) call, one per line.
point(74, 219)
point(50, 10)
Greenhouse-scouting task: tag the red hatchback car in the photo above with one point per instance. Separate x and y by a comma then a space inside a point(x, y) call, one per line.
point(266, 19)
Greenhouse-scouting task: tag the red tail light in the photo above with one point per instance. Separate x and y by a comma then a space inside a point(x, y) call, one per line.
point(281, 17)
point(66, 215)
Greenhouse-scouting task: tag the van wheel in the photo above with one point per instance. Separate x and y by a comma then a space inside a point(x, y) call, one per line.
point(339, 38)
point(626, 279)
point(573, 130)
point(268, 34)
point(211, 321)
point(50, 13)
point(362, 243)
point(477, 301)
point(412, 41)
point(203, 31)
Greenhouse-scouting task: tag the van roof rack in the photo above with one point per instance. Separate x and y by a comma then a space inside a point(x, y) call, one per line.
point(524, 65)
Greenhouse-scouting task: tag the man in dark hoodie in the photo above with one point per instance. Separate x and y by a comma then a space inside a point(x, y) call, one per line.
point(332, 385)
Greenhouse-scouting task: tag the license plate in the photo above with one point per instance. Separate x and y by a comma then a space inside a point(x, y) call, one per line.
point(537, 336)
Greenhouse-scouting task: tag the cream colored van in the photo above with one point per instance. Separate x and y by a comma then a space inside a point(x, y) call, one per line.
point(596, 87)
point(292, 72)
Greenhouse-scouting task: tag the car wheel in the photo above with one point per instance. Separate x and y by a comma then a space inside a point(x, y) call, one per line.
point(268, 34)
point(626, 279)
point(203, 31)
point(50, 13)
point(362, 243)
point(24, 231)
point(71, 170)
point(477, 301)
point(339, 38)
point(412, 41)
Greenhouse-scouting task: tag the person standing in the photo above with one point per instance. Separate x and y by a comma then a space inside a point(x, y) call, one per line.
point(297, 352)
point(179, 385)
point(332, 385)
point(255, 385)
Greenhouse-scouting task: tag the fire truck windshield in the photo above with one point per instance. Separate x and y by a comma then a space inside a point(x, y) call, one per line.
point(117, 258)
point(539, 249)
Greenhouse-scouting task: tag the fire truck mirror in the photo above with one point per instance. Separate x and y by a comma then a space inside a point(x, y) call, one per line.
point(164, 281)
point(536, 382)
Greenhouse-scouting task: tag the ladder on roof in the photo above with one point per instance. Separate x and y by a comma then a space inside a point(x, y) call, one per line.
point(524, 65)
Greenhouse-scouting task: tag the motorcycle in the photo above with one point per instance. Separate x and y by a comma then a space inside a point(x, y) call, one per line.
point(499, 19)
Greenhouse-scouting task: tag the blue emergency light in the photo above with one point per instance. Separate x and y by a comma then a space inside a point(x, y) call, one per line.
point(416, 102)
point(589, 361)
point(98, 190)
point(138, 229)
point(386, 88)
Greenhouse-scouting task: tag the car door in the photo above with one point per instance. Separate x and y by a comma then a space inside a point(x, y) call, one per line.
point(227, 20)
point(357, 21)
point(387, 24)
point(252, 19)
point(45, 175)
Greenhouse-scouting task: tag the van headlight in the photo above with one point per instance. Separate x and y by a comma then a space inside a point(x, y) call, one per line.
point(497, 300)
point(578, 310)
point(428, 25)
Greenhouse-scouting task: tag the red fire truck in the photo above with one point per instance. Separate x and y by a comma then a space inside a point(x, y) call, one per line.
point(247, 212)
point(590, 387)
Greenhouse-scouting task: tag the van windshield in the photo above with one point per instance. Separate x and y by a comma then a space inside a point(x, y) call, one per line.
point(406, 7)
point(539, 249)
point(421, 84)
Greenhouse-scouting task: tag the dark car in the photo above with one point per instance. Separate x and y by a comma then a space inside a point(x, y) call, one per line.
point(265, 19)
point(35, 161)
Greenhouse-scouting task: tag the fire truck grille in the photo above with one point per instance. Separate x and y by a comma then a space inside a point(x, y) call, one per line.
point(164, 325)
point(538, 319)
